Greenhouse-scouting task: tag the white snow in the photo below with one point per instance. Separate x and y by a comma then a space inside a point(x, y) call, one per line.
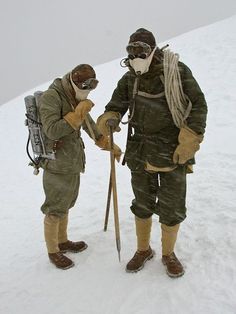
point(98, 284)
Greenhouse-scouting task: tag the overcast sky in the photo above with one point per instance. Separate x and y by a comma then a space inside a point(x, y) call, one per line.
point(44, 39)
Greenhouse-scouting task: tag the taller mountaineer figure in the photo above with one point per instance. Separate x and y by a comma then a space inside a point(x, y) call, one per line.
point(167, 119)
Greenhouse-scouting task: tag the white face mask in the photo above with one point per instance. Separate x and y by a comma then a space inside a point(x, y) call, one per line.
point(80, 94)
point(141, 66)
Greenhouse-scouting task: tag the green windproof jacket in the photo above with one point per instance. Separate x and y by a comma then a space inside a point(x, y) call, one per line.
point(153, 136)
point(55, 103)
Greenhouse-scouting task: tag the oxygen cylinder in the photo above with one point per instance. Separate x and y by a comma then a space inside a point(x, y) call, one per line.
point(36, 135)
point(33, 125)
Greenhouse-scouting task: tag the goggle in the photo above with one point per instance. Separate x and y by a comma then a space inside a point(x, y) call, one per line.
point(138, 49)
point(88, 84)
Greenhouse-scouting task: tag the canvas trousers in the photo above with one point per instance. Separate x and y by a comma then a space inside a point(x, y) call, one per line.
point(161, 193)
point(61, 192)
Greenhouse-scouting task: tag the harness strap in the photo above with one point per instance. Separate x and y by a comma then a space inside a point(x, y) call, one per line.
point(150, 95)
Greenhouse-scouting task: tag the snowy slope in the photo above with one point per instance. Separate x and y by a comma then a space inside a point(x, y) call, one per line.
point(98, 283)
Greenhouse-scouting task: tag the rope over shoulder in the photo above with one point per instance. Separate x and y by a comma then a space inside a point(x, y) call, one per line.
point(179, 104)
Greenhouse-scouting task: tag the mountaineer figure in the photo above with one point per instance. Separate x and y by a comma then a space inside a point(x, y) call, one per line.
point(64, 109)
point(166, 122)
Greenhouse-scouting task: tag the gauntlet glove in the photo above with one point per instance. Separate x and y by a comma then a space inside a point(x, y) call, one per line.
point(188, 145)
point(107, 119)
point(76, 118)
point(104, 143)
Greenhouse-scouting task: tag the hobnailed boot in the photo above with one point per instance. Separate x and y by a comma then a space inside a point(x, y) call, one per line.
point(144, 251)
point(138, 261)
point(60, 260)
point(173, 266)
point(74, 247)
point(51, 228)
point(64, 244)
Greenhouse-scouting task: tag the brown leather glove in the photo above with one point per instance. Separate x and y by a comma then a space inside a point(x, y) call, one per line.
point(111, 118)
point(188, 145)
point(76, 118)
point(104, 143)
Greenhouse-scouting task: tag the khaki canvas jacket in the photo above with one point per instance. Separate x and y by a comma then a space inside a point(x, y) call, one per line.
point(55, 103)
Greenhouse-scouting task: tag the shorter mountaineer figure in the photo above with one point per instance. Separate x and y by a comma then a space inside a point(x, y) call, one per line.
point(64, 109)
point(167, 119)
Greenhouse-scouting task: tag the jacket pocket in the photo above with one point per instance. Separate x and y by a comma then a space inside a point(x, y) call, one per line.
point(160, 152)
point(133, 155)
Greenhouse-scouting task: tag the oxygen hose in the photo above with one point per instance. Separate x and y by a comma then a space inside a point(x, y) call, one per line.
point(27, 151)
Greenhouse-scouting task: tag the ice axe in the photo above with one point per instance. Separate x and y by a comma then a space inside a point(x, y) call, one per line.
point(108, 203)
point(113, 190)
point(112, 185)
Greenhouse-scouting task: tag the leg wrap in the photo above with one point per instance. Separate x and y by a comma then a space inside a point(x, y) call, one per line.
point(62, 233)
point(51, 228)
point(168, 239)
point(143, 232)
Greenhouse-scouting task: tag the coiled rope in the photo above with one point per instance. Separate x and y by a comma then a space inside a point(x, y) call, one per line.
point(179, 103)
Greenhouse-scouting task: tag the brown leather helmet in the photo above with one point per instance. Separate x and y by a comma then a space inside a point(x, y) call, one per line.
point(82, 72)
point(84, 76)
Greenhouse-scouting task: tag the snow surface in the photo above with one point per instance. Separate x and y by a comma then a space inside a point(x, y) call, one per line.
point(98, 284)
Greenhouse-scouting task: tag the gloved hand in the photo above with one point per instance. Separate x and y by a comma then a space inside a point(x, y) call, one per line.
point(76, 118)
point(188, 145)
point(107, 119)
point(104, 143)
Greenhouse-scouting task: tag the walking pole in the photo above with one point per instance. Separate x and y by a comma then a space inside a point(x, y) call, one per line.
point(112, 184)
point(108, 203)
point(114, 190)
point(110, 180)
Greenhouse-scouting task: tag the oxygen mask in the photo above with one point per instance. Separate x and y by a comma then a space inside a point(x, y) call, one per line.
point(140, 56)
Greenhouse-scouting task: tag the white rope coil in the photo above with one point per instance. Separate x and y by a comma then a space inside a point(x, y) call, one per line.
point(179, 104)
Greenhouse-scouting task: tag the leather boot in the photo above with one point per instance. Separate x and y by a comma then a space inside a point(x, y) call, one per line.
point(74, 247)
point(138, 261)
point(173, 266)
point(144, 251)
point(60, 260)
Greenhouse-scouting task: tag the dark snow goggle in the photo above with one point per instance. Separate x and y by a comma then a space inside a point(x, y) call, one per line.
point(138, 49)
point(88, 84)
